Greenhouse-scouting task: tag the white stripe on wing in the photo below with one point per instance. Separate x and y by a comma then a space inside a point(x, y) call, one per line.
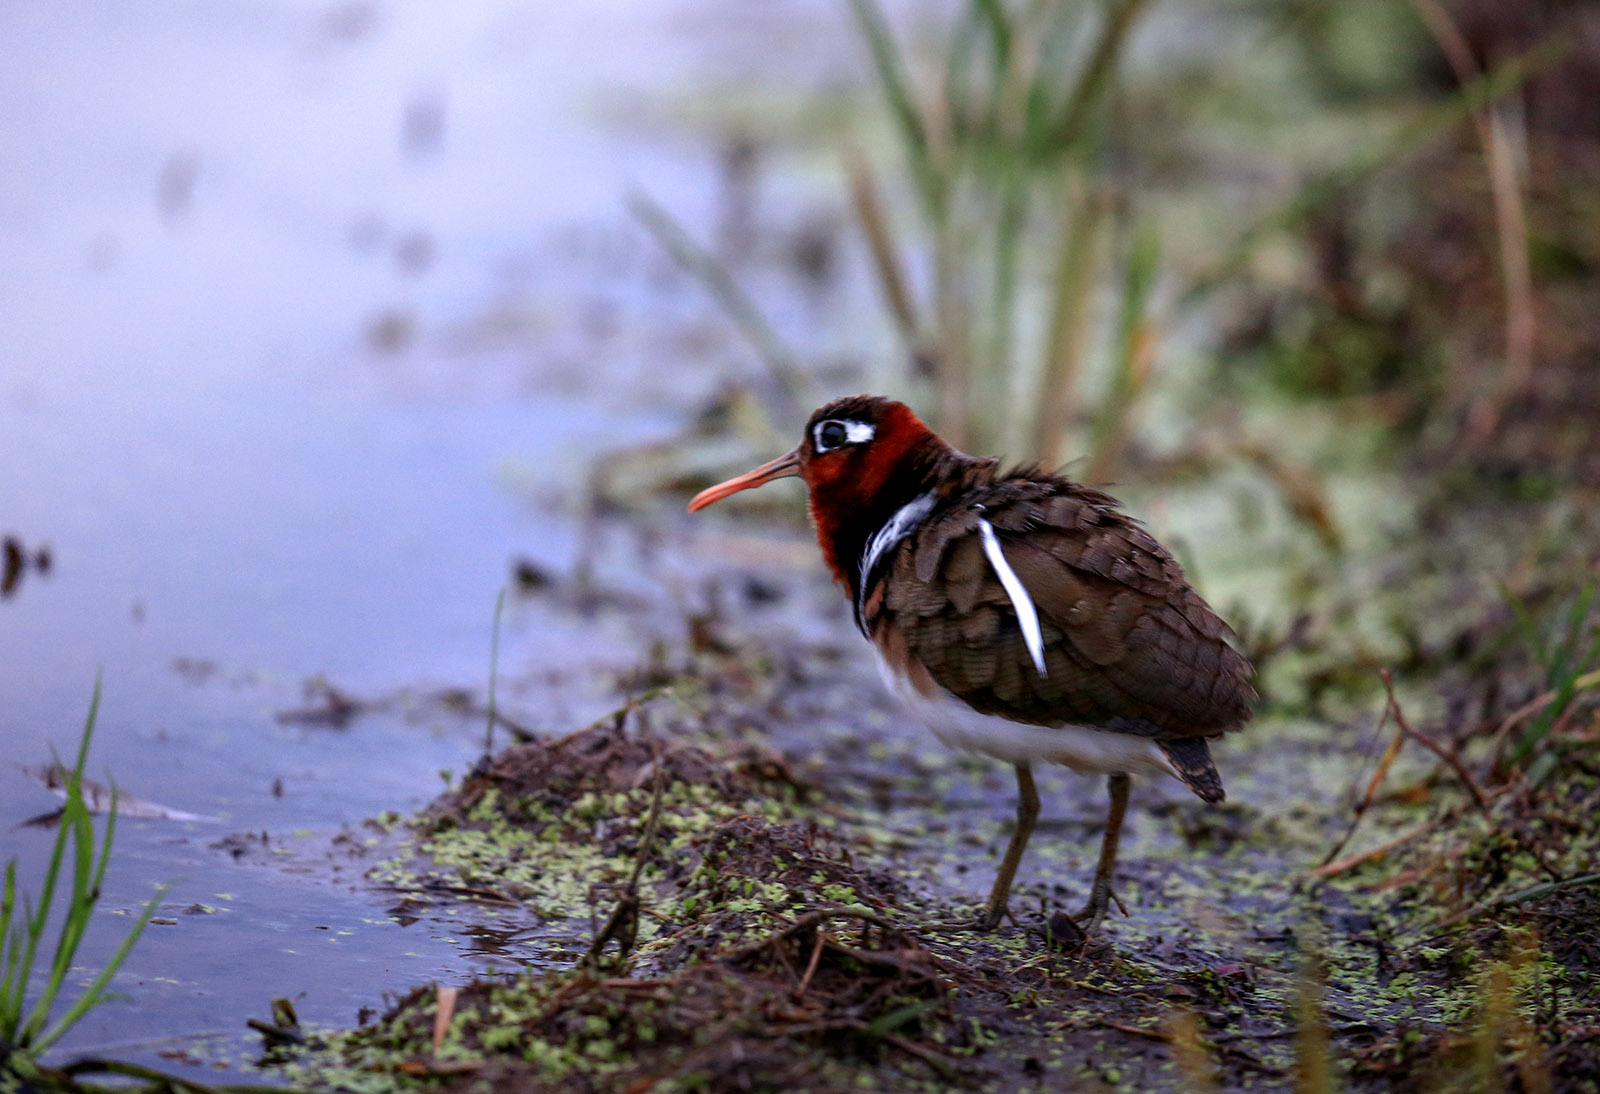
point(1027, 615)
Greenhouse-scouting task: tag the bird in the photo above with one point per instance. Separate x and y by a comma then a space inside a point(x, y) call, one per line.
point(1019, 614)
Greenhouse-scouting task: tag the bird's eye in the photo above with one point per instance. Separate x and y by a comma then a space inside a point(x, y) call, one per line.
point(831, 435)
point(838, 432)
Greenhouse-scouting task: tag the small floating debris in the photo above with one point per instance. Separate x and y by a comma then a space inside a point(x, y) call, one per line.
point(327, 706)
point(16, 559)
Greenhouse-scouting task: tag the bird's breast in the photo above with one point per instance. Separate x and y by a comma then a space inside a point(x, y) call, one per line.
point(1083, 749)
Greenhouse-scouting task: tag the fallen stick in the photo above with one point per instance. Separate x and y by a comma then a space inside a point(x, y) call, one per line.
point(1350, 862)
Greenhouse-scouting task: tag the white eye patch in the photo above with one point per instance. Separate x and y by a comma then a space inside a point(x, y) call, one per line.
point(837, 432)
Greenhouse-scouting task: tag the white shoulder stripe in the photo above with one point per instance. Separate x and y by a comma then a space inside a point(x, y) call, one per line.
point(895, 529)
point(1027, 615)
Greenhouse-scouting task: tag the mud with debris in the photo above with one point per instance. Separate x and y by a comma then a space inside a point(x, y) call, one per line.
point(755, 877)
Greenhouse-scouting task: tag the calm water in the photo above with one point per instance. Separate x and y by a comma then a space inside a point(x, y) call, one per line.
point(312, 317)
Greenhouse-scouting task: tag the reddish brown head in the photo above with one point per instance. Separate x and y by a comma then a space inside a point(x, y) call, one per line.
point(863, 458)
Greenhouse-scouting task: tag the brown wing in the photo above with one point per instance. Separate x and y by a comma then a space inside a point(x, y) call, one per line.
point(1128, 644)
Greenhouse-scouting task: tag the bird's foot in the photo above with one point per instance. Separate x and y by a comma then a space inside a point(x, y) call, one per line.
point(1092, 914)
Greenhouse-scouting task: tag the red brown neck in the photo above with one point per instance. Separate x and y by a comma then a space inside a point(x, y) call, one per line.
point(850, 502)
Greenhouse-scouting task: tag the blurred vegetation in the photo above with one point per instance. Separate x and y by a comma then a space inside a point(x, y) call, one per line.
point(1020, 216)
point(1329, 269)
point(1079, 216)
point(1431, 288)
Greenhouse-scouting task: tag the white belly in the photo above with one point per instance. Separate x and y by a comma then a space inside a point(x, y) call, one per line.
point(1084, 750)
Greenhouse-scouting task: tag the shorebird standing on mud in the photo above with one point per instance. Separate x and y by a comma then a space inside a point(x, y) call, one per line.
point(1019, 614)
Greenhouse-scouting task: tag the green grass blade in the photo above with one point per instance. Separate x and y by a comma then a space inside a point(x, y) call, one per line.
point(84, 901)
point(21, 934)
point(892, 81)
point(1144, 259)
point(888, 1023)
point(1043, 92)
point(494, 669)
point(79, 907)
point(105, 843)
point(8, 903)
point(994, 388)
point(96, 989)
point(1067, 334)
point(1566, 649)
point(37, 921)
point(1569, 678)
point(1131, 363)
point(1539, 728)
point(1530, 630)
point(1095, 80)
point(715, 279)
point(874, 221)
point(950, 311)
point(1001, 33)
point(23, 946)
point(1568, 653)
point(958, 71)
point(995, 17)
point(9, 946)
point(20, 939)
point(88, 727)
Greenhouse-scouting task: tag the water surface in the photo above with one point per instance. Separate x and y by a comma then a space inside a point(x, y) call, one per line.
point(314, 317)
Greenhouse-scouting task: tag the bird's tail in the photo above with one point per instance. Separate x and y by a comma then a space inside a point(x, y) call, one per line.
point(1191, 759)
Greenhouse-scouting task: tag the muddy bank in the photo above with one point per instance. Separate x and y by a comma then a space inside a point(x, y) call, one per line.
point(744, 880)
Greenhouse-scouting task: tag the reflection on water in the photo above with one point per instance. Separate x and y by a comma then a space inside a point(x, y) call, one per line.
point(508, 946)
point(280, 283)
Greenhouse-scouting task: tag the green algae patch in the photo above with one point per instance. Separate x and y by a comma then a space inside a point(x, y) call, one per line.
point(770, 966)
point(788, 958)
point(737, 1020)
point(1492, 924)
point(771, 948)
point(551, 826)
point(757, 876)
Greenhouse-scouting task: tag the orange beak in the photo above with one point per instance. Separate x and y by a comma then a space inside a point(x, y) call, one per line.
point(785, 466)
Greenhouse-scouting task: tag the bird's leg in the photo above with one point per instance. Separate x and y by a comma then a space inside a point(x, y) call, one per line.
point(1100, 895)
point(1027, 813)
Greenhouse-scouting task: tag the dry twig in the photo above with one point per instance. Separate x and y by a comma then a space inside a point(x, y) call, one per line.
point(1350, 862)
point(1448, 756)
point(1511, 222)
point(811, 968)
point(1385, 762)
